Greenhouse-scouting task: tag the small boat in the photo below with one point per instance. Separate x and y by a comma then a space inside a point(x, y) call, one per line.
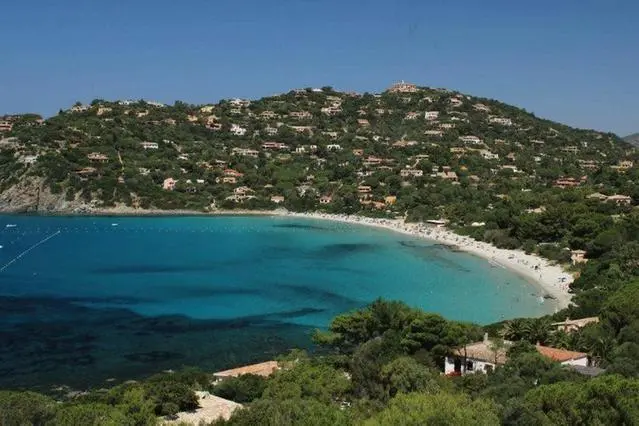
point(114, 224)
point(10, 225)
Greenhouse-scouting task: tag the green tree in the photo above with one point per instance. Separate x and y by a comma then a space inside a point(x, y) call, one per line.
point(242, 389)
point(91, 415)
point(25, 408)
point(622, 308)
point(602, 400)
point(438, 409)
point(308, 380)
point(405, 375)
point(288, 412)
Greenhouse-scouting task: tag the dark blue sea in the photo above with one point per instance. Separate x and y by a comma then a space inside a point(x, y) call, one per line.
point(86, 300)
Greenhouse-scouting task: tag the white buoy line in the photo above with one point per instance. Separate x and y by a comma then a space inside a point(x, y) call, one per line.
point(42, 241)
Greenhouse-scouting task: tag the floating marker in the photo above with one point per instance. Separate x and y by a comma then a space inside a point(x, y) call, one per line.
point(44, 240)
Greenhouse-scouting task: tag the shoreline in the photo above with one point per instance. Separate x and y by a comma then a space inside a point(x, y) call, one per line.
point(552, 279)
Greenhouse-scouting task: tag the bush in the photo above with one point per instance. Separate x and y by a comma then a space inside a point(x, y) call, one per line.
point(289, 412)
point(242, 389)
point(90, 415)
point(170, 397)
point(25, 408)
point(440, 409)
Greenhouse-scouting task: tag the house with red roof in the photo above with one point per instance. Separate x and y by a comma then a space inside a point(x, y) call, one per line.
point(486, 355)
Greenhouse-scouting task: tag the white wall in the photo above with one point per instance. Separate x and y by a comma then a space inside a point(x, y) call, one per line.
point(580, 361)
point(478, 365)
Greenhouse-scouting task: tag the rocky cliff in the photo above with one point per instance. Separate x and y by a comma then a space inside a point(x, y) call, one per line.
point(32, 195)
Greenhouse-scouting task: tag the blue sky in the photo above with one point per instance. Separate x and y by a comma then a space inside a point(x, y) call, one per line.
point(574, 61)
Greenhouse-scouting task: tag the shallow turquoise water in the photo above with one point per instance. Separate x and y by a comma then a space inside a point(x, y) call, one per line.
point(125, 297)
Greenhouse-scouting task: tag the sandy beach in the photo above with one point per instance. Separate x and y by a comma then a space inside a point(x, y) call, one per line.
point(552, 279)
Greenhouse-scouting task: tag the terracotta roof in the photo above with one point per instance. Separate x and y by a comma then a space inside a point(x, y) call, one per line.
point(560, 355)
point(262, 369)
point(482, 351)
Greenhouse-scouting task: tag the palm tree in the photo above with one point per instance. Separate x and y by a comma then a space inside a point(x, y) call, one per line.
point(600, 349)
point(560, 339)
point(515, 329)
point(538, 331)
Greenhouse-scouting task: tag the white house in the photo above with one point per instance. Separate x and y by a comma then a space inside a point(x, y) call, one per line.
point(241, 103)
point(149, 145)
point(271, 131)
point(238, 130)
point(431, 115)
point(484, 356)
point(411, 173)
point(501, 120)
point(481, 107)
point(29, 159)
point(487, 155)
point(470, 139)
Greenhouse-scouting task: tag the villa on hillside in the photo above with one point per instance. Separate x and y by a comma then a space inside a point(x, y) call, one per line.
point(5, 126)
point(408, 172)
point(573, 325)
point(233, 173)
point(470, 139)
point(578, 256)
point(403, 87)
point(568, 182)
point(485, 356)
point(97, 157)
point(149, 145)
point(623, 165)
point(169, 184)
point(619, 199)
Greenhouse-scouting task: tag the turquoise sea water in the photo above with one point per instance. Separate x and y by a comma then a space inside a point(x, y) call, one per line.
point(125, 297)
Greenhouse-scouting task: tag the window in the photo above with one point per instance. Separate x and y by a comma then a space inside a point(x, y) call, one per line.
point(469, 366)
point(488, 368)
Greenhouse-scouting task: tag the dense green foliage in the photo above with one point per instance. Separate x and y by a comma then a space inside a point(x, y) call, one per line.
point(242, 389)
point(381, 365)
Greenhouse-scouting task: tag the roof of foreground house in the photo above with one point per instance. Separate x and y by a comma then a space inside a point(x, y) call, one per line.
point(560, 355)
point(484, 351)
point(262, 369)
